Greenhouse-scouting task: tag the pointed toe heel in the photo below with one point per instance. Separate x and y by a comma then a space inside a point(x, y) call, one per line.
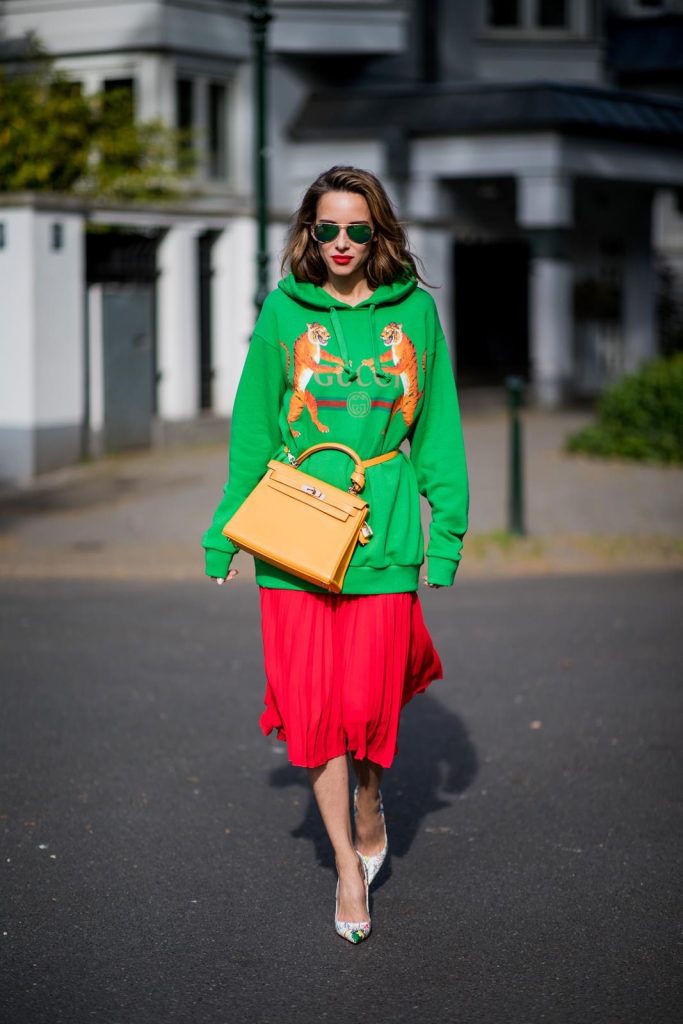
point(353, 931)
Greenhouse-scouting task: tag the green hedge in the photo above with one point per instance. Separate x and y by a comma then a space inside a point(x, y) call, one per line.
point(640, 416)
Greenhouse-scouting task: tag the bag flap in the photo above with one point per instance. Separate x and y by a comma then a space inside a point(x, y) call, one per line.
point(288, 477)
point(319, 504)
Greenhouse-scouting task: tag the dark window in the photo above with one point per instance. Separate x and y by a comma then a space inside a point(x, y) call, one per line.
point(218, 162)
point(2, 236)
point(503, 13)
point(121, 92)
point(125, 84)
point(552, 14)
point(57, 236)
point(184, 105)
point(206, 372)
point(184, 91)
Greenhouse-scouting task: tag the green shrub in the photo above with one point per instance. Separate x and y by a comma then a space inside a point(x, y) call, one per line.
point(640, 416)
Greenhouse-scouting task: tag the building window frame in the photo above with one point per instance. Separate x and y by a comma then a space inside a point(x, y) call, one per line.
point(213, 124)
point(57, 240)
point(579, 23)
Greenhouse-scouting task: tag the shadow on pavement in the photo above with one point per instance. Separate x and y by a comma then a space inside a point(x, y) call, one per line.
point(436, 756)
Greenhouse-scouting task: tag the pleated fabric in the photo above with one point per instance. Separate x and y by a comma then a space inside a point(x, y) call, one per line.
point(339, 668)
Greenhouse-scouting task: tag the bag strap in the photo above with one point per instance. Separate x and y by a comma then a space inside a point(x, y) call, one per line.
point(358, 474)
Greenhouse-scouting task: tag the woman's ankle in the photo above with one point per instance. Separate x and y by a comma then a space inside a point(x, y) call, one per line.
point(347, 863)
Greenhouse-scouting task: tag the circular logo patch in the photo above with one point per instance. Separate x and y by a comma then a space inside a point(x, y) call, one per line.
point(358, 404)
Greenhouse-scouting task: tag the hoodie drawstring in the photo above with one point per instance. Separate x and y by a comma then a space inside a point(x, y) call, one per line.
point(349, 373)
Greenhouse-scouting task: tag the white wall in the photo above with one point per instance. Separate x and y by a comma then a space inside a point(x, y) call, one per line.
point(232, 293)
point(59, 320)
point(70, 26)
point(178, 323)
point(17, 353)
point(42, 338)
point(558, 63)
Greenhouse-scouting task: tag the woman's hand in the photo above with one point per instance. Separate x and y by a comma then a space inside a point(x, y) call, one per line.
point(220, 580)
point(436, 586)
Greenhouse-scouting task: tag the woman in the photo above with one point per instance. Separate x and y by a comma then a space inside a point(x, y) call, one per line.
point(348, 348)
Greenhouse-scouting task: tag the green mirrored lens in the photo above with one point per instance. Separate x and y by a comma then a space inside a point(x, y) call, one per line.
point(326, 232)
point(359, 233)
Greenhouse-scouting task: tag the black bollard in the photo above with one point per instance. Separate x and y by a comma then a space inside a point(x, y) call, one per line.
point(515, 386)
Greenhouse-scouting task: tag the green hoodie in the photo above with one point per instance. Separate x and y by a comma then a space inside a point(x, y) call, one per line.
point(369, 376)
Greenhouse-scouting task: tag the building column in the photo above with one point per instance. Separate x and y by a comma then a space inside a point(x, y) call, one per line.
point(434, 246)
point(544, 210)
point(551, 328)
point(178, 324)
point(17, 346)
point(156, 89)
point(233, 313)
point(42, 342)
point(639, 310)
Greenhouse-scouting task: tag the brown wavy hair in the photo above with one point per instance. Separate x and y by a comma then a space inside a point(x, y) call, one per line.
point(390, 258)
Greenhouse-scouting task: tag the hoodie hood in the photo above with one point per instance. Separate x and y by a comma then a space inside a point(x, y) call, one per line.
point(315, 297)
point(312, 296)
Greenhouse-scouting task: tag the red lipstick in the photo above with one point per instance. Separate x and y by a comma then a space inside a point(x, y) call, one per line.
point(342, 260)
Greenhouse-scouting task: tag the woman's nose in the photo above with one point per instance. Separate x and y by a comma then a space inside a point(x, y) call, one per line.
point(342, 240)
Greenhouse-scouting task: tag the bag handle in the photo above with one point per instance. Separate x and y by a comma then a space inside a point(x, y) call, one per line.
point(358, 475)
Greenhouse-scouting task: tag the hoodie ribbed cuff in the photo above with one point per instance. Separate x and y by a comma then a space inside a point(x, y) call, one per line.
point(217, 563)
point(441, 571)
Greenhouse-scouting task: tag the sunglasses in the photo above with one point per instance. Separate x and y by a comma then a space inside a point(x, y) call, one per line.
point(358, 233)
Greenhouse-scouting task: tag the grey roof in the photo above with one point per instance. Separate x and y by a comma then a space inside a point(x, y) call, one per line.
point(488, 107)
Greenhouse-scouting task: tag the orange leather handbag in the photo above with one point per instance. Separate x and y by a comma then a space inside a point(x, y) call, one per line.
point(302, 524)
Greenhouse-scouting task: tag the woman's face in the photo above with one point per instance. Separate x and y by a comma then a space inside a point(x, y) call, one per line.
point(343, 258)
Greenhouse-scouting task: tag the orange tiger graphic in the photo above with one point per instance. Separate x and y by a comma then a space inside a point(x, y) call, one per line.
point(401, 361)
point(308, 354)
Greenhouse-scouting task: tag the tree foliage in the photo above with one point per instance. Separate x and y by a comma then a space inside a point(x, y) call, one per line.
point(54, 138)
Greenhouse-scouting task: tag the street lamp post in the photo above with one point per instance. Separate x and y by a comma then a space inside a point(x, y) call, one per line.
point(259, 16)
point(515, 386)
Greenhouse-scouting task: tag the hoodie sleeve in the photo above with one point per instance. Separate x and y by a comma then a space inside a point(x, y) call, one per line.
point(437, 453)
point(254, 439)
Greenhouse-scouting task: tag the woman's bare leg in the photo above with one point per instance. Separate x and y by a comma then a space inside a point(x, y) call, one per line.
point(369, 828)
point(330, 784)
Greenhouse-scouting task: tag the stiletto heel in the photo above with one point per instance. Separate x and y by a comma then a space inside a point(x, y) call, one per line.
point(374, 862)
point(353, 931)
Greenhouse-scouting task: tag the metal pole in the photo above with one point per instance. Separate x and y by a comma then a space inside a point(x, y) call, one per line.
point(514, 387)
point(259, 17)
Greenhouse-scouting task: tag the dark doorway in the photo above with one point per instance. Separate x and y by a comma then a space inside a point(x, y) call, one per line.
point(123, 263)
point(491, 311)
point(128, 364)
point(206, 241)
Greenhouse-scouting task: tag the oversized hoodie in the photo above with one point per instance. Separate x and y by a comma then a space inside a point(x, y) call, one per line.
point(370, 376)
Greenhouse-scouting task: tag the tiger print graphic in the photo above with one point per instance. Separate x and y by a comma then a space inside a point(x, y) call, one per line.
point(309, 353)
point(401, 360)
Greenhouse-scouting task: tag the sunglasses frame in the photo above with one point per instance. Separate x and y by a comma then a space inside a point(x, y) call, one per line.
point(347, 227)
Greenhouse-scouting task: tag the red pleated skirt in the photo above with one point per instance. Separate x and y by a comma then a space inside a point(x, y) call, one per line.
point(339, 668)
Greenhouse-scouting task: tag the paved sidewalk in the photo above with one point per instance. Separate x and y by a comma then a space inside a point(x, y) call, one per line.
point(141, 515)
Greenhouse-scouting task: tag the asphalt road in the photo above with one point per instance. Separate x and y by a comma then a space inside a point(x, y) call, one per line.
point(162, 861)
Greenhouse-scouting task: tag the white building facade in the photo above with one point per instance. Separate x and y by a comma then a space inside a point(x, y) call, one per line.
point(536, 191)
